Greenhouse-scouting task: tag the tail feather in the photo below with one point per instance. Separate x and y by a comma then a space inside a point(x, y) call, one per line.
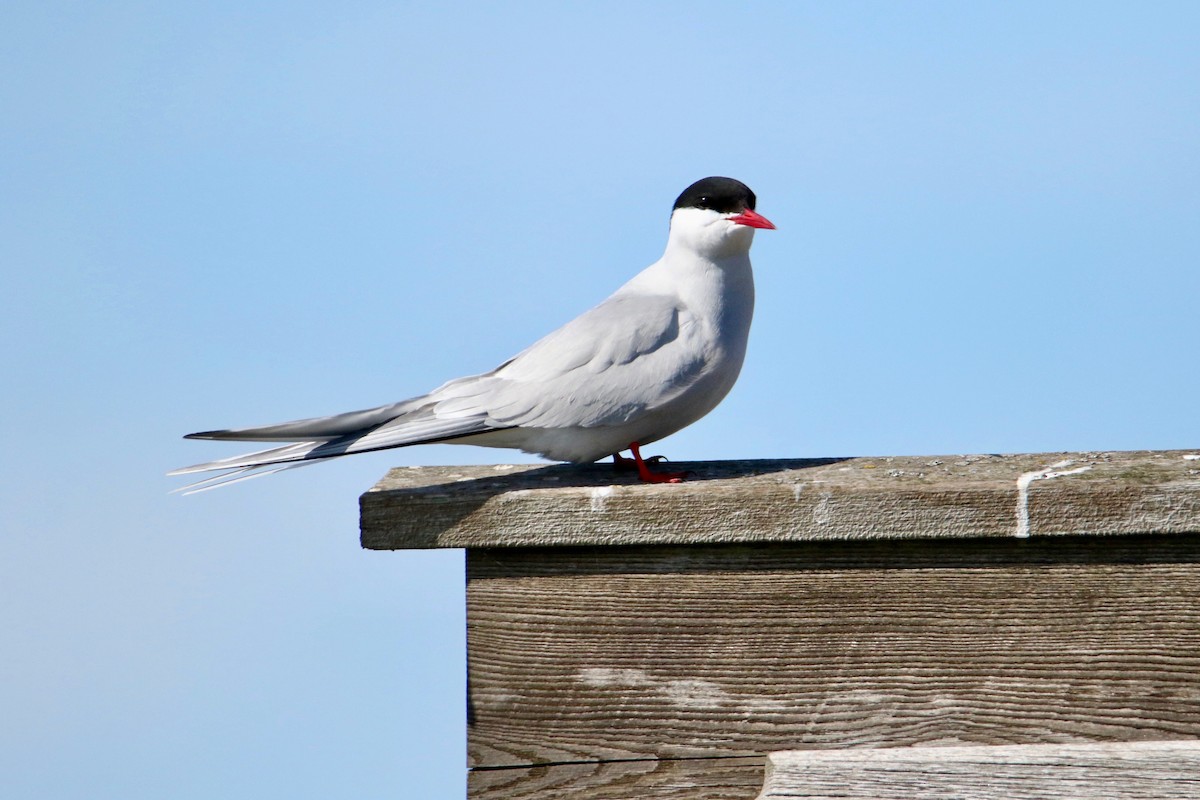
point(316, 428)
point(421, 427)
point(409, 422)
point(274, 455)
point(235, 476)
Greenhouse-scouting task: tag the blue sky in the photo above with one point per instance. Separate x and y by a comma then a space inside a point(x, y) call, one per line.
point(234, 214)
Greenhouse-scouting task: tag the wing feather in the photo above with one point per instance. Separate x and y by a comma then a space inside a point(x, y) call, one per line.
point(314, 428)
point(621, 359)
point(627, 356)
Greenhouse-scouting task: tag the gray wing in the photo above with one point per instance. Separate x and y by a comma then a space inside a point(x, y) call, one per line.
point(314, 428)
point(628, 355)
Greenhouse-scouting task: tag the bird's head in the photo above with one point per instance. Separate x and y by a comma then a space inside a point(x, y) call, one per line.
point(716, 217)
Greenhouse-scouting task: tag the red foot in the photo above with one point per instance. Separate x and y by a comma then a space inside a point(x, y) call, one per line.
point(643, 471)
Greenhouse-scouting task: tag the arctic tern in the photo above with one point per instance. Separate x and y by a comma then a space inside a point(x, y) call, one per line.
point(656, 356)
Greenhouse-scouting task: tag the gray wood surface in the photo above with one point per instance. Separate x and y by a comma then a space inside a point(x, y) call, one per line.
point(689, 779)
point(1054, 494)
point(613, 653)
point(629, 640)
point(1140, 771)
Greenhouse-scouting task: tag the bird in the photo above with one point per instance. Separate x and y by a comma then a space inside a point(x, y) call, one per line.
point(660, 353)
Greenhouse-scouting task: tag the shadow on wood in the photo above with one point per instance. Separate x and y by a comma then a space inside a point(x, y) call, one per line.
point(444, 506)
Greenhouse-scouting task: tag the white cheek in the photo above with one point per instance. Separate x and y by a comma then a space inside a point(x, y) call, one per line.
point(699, 227)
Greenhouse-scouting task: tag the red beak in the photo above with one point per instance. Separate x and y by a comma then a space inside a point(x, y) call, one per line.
point(753, 219)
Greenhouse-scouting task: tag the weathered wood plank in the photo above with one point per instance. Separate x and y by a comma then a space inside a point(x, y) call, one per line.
point(593, 654)
point(1135, 771)
point(694, 779)
point(1096, 494)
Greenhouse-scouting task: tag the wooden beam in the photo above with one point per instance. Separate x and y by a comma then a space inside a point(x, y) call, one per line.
point(621, 653)
point(1134, 771)
point(923, 497)
point(634, 641)
point(653, 779)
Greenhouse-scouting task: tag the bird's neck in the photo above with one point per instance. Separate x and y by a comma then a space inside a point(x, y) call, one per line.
point(713, 285)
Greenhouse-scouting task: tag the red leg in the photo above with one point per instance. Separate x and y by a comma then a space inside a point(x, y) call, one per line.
point(644, 472)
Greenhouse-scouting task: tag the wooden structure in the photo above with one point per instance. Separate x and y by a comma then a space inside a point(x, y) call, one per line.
point(647, 641)
point(1127, 770)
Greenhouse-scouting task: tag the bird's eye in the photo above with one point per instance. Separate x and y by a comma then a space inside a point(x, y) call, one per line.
point(704, 201)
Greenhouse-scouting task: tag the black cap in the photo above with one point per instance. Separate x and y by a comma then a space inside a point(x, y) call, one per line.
point(725, 195)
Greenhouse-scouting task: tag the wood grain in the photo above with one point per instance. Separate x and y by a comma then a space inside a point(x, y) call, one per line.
point(694, 779)
point(628, 640)
point(597, 654)
point(1049, 494)
point(1141, 771)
